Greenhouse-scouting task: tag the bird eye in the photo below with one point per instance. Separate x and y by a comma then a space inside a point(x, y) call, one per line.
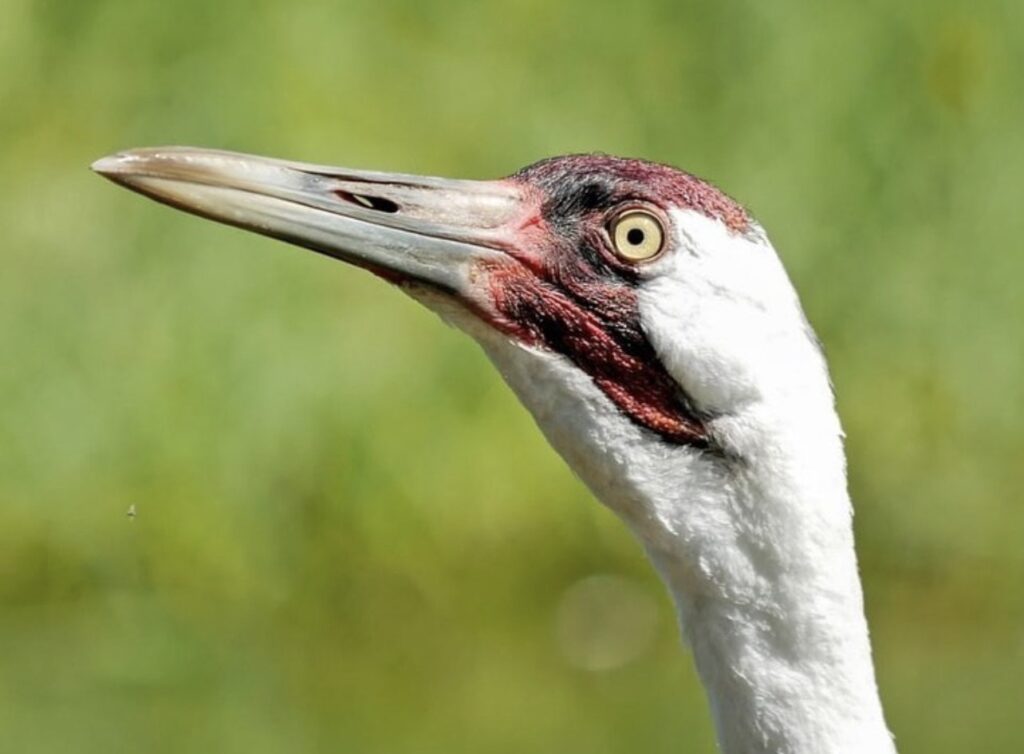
point(637, 236)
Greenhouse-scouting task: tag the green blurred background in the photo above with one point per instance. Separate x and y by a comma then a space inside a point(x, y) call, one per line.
point(349, 536)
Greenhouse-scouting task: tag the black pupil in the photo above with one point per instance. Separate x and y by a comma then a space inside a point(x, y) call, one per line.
point(635, 236)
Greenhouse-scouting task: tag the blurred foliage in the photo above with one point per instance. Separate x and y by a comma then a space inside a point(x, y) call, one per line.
point(349, 535)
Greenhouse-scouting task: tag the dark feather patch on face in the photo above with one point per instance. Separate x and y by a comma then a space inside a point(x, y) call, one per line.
point(617, 358)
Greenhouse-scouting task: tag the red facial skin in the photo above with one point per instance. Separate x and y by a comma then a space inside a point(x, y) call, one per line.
point(660, 184)
point(564, 289)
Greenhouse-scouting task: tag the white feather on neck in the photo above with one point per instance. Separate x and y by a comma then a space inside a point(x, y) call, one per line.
point(756, 543)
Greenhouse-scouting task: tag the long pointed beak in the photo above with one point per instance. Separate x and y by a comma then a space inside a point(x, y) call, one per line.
point(405, 228)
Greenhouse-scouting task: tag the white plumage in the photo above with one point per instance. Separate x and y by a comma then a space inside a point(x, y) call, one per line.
point(749, 520)
point(757, 553)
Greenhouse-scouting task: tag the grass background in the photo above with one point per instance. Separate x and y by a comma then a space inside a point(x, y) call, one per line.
point(349, 535)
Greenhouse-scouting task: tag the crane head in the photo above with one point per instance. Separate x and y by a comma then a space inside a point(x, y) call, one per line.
point(641, 287)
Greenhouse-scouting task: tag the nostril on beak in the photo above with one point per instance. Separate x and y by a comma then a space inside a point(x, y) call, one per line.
point(375, 203)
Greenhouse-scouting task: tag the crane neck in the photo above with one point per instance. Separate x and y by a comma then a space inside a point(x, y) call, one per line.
point(755, 544)
point(757, 550)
